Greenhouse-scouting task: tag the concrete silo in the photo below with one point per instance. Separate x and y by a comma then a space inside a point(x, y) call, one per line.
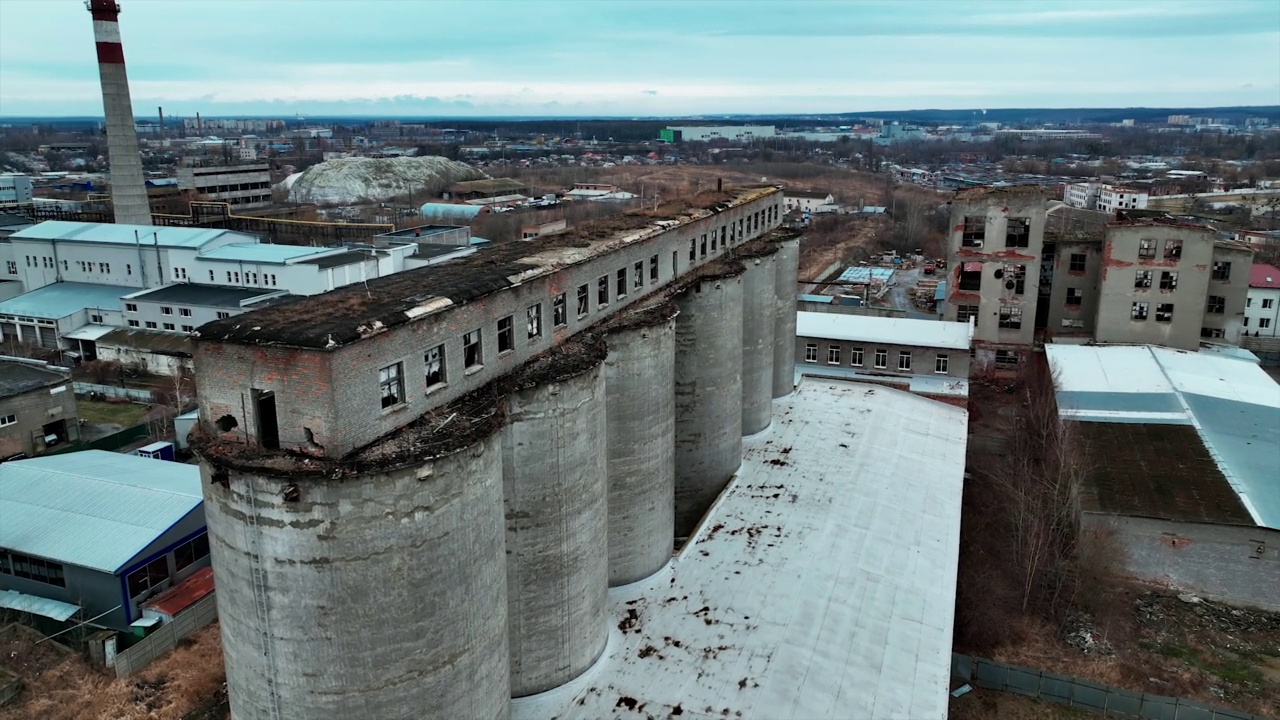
point(375, 594)
point(556, 501)
point(640, 400)
point(708, 390)
point(759, 311)
point(787, 264)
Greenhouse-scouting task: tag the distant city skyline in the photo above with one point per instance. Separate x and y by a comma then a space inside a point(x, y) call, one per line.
point(649, 58)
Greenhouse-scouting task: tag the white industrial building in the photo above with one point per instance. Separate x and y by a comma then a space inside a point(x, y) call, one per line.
point(1262, 304)
point(15, 188)
point(101, 274)
point(1103, 197)
point(806, 201)
point(737, 133)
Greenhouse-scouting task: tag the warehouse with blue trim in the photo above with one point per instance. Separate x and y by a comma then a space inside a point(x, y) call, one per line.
point(100, 531)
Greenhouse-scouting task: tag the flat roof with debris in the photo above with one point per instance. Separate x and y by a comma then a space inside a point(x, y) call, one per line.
point(20, 377)
point(202, 295)
point(820, 585)
point(1231, 405)
point(347, 315)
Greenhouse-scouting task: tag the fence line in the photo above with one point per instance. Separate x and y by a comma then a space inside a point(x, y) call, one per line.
point(1084, 694)
point(114, 441)
point(84, 388)
point(166, 638)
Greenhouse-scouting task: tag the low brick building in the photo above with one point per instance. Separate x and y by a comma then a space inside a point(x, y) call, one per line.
point(37, 408)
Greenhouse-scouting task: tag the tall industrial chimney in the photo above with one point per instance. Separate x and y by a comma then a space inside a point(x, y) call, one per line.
point(128, 189)
point(160, 110)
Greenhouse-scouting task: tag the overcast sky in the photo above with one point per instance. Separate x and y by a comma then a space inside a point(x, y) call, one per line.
point(651, 57)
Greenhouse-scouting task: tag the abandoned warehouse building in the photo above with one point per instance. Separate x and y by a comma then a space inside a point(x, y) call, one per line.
point(517, 431)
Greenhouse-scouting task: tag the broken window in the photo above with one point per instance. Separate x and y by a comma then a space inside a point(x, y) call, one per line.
point(1075, 296)
point(1014, 276)
point(713, 242)
point(882, 358)
point(560, 311)
point(434, 361)
point(855, 357)
point(724, 233)
point(1078, 262)
point(653, 269)
point(1207, 332)
point(693, 249)
point(1072, 323)
point(975, 229)
point(602, 291)
point(833, 355)
point(1018, 233)
point(1168, 280)
point(1164, 312)
point(971, 276)
point(1007, 360)
point(1221, 271)
point(1142, 279)
point(1172, 249)
point(965, 313)
point(1010, 317)
point(391, 385)
point(472, 350)
point(638, 282)
point(704, 244)
point(904, 360)
point(941, 364)
point(1139, 311)
point(506, 335)
point(621, 289)
point(533, 320)
point(583, 301)
point(1146, 249)
point(811, 352)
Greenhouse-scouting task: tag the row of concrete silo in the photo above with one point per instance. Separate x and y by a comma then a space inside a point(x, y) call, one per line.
point(401, 587)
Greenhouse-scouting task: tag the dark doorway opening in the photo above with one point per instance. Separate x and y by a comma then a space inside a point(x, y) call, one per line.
point(264, 403)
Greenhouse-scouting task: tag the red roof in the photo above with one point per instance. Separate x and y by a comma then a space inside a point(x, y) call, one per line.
point(184, 594)
point(1264, 276)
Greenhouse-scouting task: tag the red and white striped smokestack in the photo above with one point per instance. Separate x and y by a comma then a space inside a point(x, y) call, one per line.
point(128, 188)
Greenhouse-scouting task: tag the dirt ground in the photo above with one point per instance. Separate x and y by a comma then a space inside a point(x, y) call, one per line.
point(187, 681)
point(993, 705)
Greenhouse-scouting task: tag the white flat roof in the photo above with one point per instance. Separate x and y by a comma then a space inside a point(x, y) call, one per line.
point(886, 330)
point(820, 585)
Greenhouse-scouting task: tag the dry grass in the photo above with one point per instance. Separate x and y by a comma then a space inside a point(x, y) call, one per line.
point(993, 705)
point(169, 689)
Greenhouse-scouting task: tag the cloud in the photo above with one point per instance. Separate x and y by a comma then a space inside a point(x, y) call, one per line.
point(649, 92)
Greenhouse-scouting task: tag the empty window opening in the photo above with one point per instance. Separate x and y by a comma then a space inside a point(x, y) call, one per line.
point(602, 291)
point(1007, 360)
point(1172, 249)
point(1168, 280)
point(1139, 311)
point(974, 231)
point(472, 350)
point(621, 289)
point(904, 360)
point(533, 321)
point(391, 385)
point(433, 360)
point(704, 245)
point(1207, 332)
point(583, 301)
point(965, 313)
point(1217, 305)
point(1078, 262)
point(1221, 271)
point(1010, 317)
point(653, 269)
point(506, 335)
point(1142, 279)
point(971, 276)
point(560, 311)
point(693, 249)
point(638, 281)
point(1018, 233)
point(1164, 312)
point(264, 406)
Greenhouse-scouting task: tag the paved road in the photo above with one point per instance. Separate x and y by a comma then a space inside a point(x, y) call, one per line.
point(899, 295)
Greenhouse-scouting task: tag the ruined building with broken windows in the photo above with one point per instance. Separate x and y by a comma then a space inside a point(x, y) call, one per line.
point(419, 490)
point(1027, 273)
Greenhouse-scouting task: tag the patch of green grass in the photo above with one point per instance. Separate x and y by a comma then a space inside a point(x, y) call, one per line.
point(1235, 670)
point(122, 414)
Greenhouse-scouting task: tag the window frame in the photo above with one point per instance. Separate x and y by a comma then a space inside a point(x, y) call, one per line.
point(506, 335)
point(1221, 271)
point(855, 357)
point(1215, 305)
point(1165, 309)
point(941, 364)
point(602, 291)
point(1010, 317)
point(584, 300)
point(440, 361)
point(1139, 311)
point(1078, 262)
point(904, 361)
point(560, 310)
point(833, 354)
point(881, 359)
point(533, 322)
point(1143, 279)
point(472, 340)
point(1168, 279)
point(391, 377)
point(811, 352)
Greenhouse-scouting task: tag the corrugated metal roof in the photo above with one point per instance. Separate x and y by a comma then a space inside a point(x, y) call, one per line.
point(264, 253)
point(94, 509)
point(120, 234)
point(14, 600)
point(56, 301)
point(21, 377)
point(1232, 403)
point(824, 299)
point(820, 585)
point(1262, 275)
point(886, 330)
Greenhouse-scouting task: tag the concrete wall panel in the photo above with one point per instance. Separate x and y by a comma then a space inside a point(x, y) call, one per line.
point(787, 267)
point(759, 325)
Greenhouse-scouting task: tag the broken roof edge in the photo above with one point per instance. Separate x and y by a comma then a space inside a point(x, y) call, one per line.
point(469, 420)
point(986, 191)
